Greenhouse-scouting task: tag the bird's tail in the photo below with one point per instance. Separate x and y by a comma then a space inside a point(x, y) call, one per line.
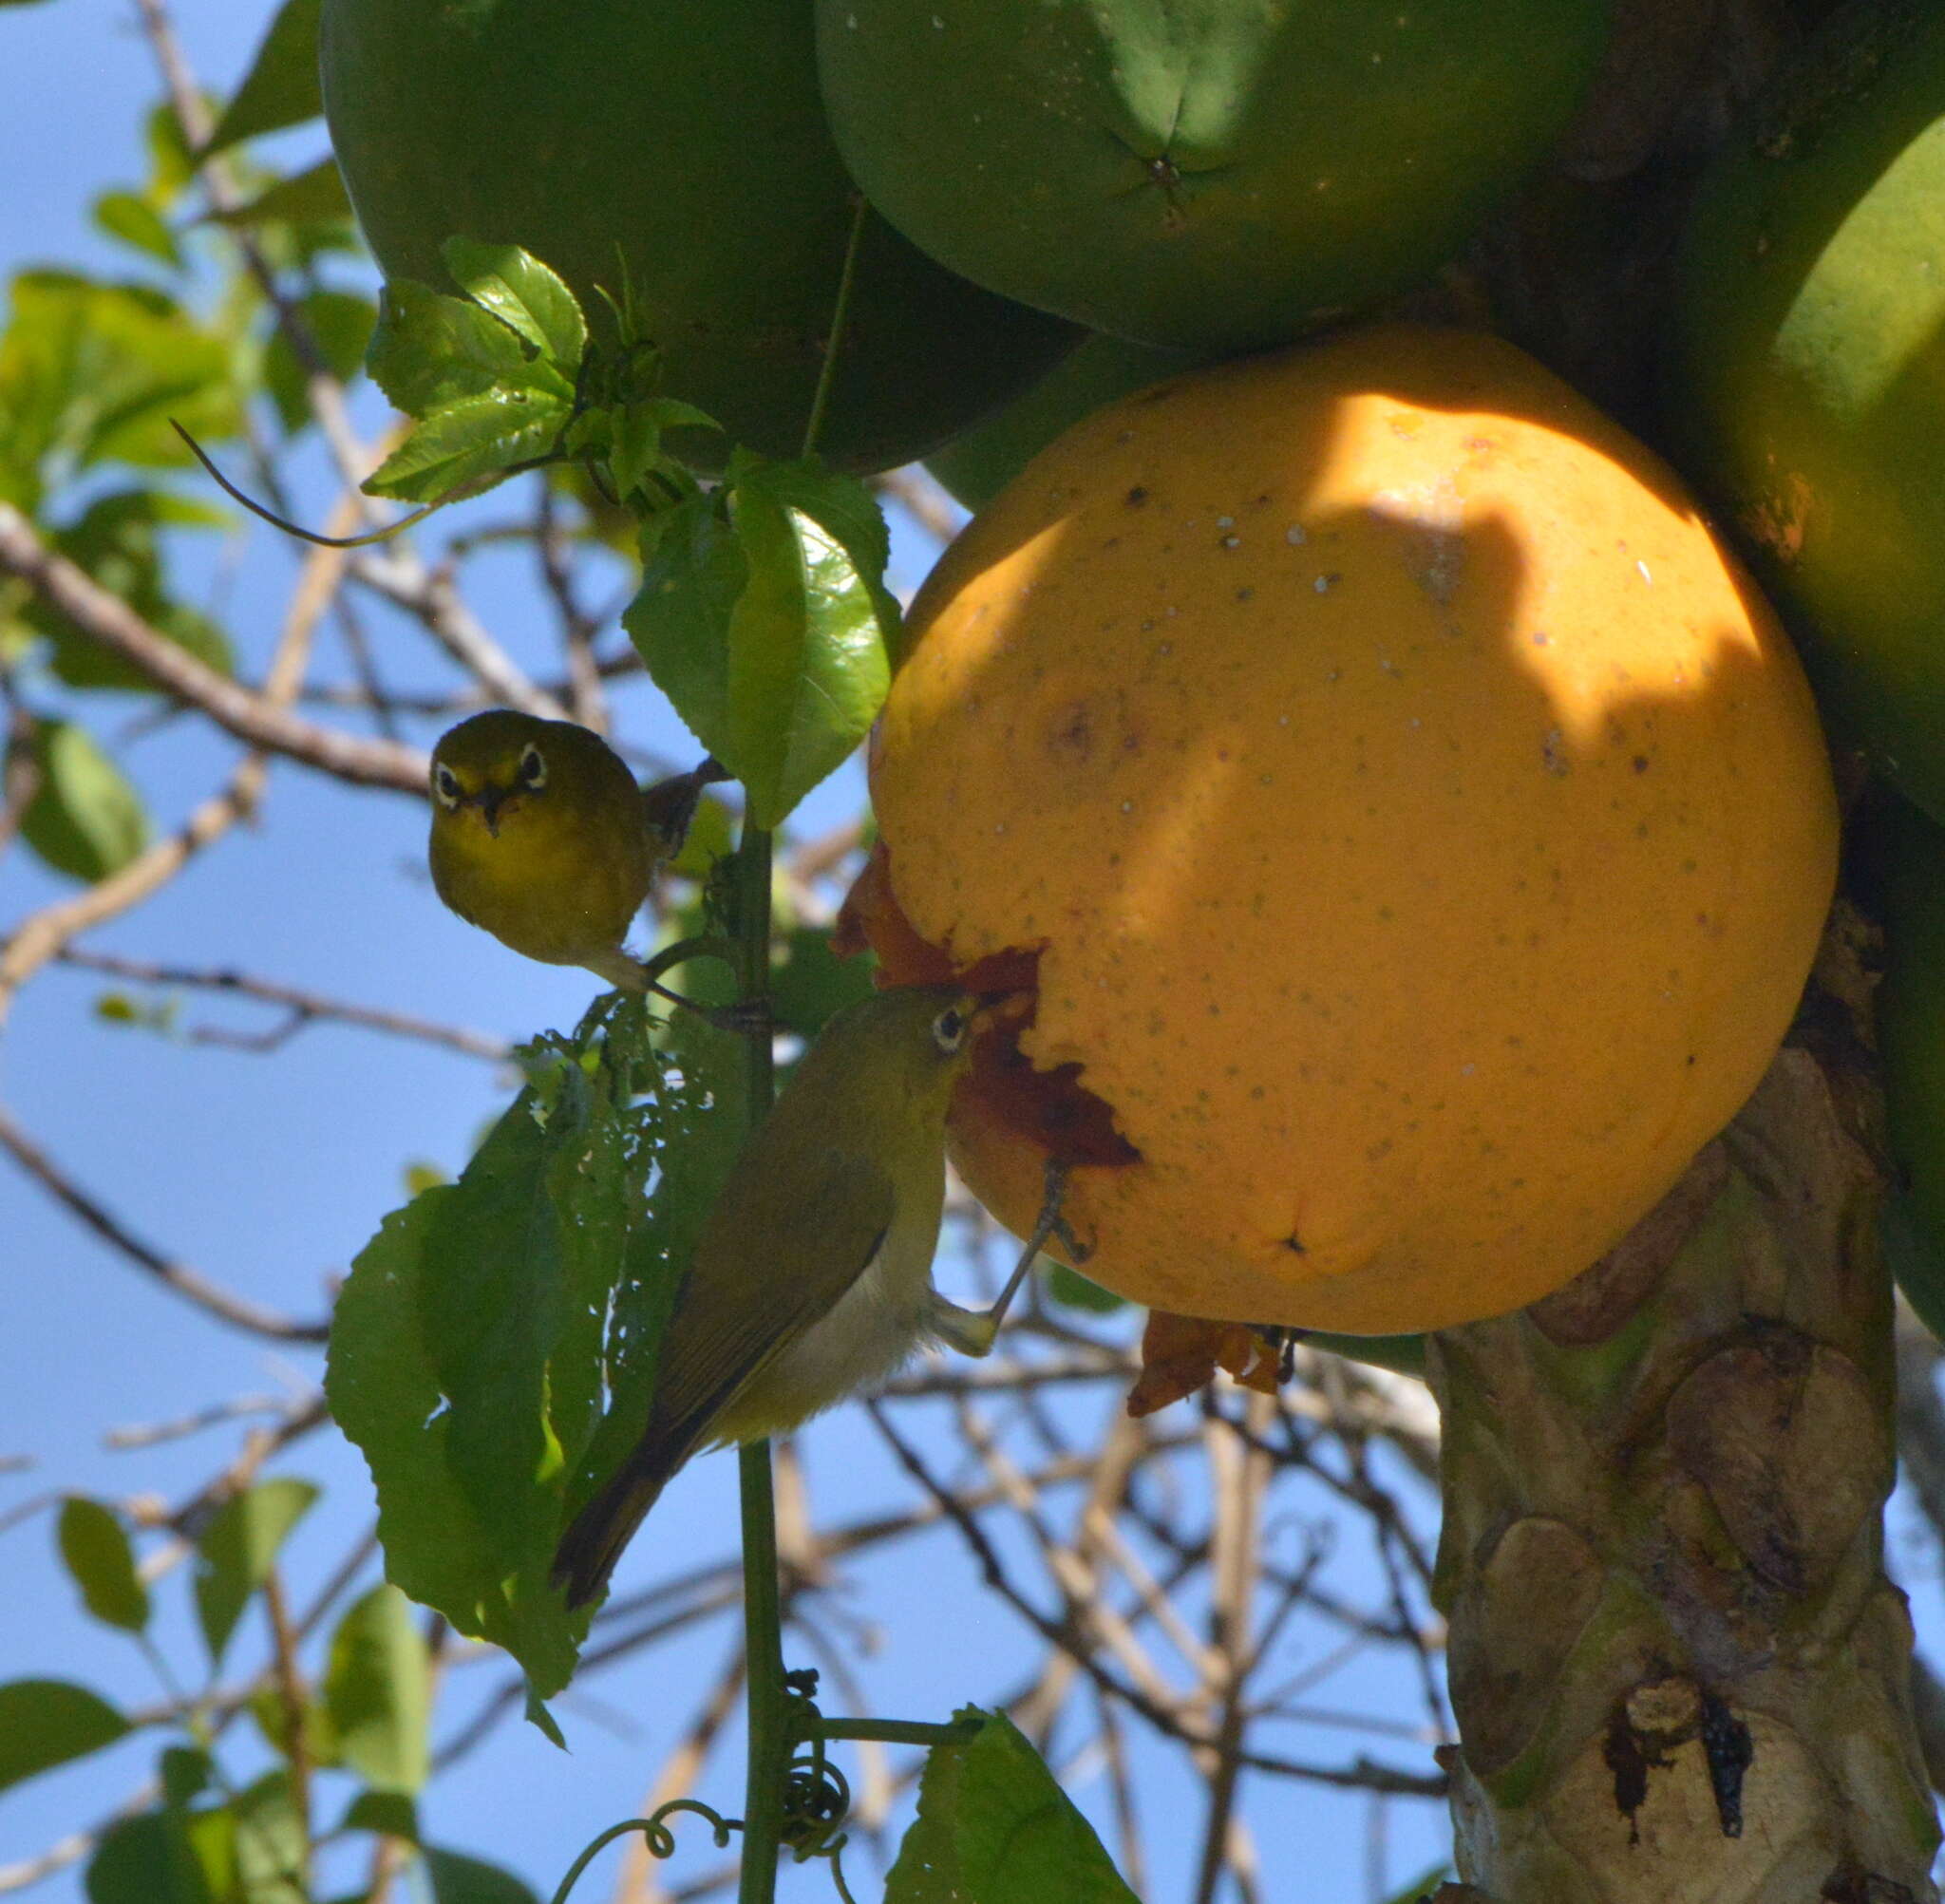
point(595, 1536)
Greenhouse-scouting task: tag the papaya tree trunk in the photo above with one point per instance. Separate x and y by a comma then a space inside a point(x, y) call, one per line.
point(1678, 1668)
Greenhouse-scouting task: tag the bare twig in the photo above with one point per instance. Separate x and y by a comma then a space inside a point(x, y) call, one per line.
point(237, 1312)
point(1362, 1775)
point(306, 1007)
point(252, 717)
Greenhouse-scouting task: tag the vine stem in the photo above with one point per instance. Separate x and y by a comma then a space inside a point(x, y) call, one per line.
point(767, 1698)
point(765, 1694)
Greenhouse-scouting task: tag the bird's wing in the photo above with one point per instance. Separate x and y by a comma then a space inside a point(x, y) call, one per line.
point(739, 1305)
point(735, 1311)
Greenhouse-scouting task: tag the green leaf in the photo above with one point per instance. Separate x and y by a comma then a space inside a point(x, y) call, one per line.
point(459, 1879)
point(118, 540)
point(93, 373)
point(471, 438)
point(1422, 1887)
point(135, 221)
point(282, 87)
point(271, 1842)
point(237, 1550)
point(315, 196)
point(379, 1693)
point(693, 573)
point(166, 1856)
point(1402, 1354)
point(391, 1814)
point(85, 820)
point(45, 1723)
point(767, 630)
point(994, 1827)
point(430, 350)
point(527, 297)
point(341, 325)
point(813, 983)
point(482, 1329)
point(1071, 1288)
point(185, 1772)
point(95, 1549)
point(272, 1712)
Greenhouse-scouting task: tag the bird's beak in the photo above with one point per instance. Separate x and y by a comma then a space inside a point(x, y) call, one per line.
point(489, 800)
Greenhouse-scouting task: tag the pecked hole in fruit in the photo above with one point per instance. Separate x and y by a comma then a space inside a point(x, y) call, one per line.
point(1051, 1110)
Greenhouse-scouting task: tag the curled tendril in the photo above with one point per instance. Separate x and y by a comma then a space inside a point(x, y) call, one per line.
point(816, 1798)
point(655, 1834)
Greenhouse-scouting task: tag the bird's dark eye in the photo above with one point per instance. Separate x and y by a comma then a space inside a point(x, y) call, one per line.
point(533, 768)
point(446, 783)
point(948, 1030)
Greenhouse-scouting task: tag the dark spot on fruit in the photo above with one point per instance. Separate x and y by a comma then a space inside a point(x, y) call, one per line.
point(1136, 497)
point(1640, 763)
point(1070, 736)
point(1294, 1248)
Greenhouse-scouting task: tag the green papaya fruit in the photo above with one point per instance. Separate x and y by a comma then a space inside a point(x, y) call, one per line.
point(682, 140)
point(1199, 174)
point(1808, 385)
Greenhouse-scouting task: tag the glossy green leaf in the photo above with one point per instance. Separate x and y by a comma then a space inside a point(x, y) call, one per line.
point(693, 573)
point(135, 221)
point(767, 626)
point(459, 1879)
point(391, 1814)
point(95, 1551)
point(85, 820)
point(341, 325)
point(482, 1329)
point(521, 290)
point(808, 664)
point(315, 196)
point(468, 440)
point(430, 350)
point(378, 1691)
point(238, 1548)
point(282, 87)
point(994, 1827)
point(45, 1723)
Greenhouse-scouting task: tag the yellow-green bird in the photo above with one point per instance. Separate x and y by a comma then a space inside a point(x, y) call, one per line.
point(541, 835)
point(812, 1278)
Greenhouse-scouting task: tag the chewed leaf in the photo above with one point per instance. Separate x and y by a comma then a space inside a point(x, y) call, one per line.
point(491, 1331)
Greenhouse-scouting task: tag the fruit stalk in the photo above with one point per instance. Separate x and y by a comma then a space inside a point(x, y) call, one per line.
point(1678, 1668)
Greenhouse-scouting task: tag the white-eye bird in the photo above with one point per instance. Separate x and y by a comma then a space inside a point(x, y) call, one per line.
point(541, 837)
point(812, 1278)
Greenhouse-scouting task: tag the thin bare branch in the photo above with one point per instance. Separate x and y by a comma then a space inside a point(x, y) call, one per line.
point(191, 1285)
point(252, 717)
point(306, 1007)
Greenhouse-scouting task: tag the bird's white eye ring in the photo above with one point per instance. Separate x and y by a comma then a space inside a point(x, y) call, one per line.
point(446, 785)
point(533, 768)
point(948, 1030)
